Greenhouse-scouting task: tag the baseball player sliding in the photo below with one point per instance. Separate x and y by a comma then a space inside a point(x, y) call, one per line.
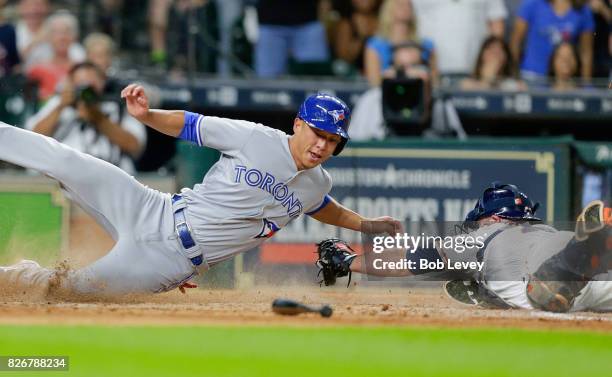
point(263, 180)
point(505, 258)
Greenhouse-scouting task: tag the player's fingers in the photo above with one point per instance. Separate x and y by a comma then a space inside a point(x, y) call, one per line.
point(138, 91)
point(130, 100)
point(398, 226)
point(127, 90)
point(131, 89)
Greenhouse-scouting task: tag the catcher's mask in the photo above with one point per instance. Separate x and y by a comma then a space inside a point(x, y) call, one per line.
point(327, 113)
point(505, 201)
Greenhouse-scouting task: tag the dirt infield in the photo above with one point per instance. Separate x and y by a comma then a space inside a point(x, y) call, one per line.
point(357, 306)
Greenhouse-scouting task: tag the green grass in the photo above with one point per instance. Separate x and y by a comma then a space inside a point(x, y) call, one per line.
point(312, 352)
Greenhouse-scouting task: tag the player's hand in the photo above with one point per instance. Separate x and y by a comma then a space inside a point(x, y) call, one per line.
point(89, 113)
point(187, 285)
point(136, 100)
point(67, 96)
point(386, 224)
point(84, 112)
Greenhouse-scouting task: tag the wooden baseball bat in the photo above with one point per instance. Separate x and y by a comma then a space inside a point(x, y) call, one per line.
point(290, 307)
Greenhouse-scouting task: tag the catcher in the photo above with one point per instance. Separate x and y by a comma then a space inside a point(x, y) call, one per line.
point(525, 263)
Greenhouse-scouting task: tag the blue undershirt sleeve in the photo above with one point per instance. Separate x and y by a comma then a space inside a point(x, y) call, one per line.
point(191, 128)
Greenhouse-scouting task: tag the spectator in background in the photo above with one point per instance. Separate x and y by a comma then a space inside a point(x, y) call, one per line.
point(564, 67)
point(288, 28)
point(602, 46)
point(30, 30)
point(62, 30)
point(354, 29)
point(184, 35)
point(229, 17)
point(36, 45)
point(367, 121)
point(192, 38)
point(81, 118)
point(158, 24)
point(108, 16)
point(543, 24)
point(396, 25)
point(9, 57)
point(494, 68)
point(457, 28)
point(408, 61)
point(100, 50)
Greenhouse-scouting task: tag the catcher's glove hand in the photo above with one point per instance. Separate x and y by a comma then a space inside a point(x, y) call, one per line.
point(335, 258)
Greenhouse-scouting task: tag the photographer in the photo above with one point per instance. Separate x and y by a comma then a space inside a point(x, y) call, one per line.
point(81, 118)
point(408, 62)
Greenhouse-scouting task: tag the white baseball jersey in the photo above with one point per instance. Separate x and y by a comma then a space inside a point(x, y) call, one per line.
point(254, 190)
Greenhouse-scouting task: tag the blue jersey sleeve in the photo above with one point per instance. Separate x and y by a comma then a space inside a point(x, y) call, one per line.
point(191, 128)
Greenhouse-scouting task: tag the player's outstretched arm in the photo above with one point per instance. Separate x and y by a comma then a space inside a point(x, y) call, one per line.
point(169, 122)
point(336, 214)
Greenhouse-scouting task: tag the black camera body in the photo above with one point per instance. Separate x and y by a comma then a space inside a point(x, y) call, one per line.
point(404, 105)
point(87, 94)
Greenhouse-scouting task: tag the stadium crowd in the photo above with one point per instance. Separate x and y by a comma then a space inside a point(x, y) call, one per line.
point(43, 38)
point(558, 45)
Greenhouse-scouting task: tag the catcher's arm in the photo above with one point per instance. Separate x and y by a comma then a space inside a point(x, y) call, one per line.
point(363, 263)
point(337, 259)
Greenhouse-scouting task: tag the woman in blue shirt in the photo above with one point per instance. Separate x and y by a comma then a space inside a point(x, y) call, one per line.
point(396, 25)
point(543, 24)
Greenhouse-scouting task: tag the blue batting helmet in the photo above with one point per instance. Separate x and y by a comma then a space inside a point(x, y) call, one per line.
point(327, 113)
point(505, 201)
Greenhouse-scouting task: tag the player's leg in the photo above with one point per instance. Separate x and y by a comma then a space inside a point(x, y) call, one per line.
point(25, 277)
point(271, 51)
point(596, 295)
point(102, 188)
point(148, 262)
point(154, 268)
point(144, 262)
point(309, 43)
point(133, 267)
point(565, 276)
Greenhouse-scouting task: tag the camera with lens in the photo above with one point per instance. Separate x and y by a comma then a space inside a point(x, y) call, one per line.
point(86, 94)
point(405, 108)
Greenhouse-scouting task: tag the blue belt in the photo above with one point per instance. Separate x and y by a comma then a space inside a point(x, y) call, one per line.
point(183, 231)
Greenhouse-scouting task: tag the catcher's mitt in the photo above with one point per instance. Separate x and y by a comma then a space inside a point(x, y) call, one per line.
point(335, 258)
